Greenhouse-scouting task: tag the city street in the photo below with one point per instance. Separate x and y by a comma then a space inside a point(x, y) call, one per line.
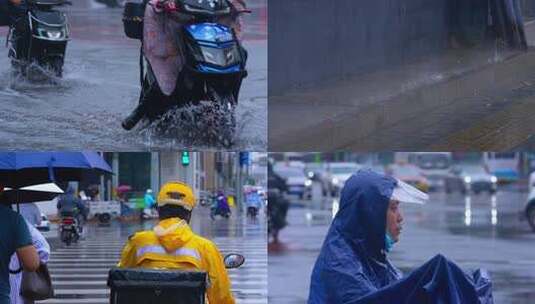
point(101, 86)
point(79, 272)
point(476, 231)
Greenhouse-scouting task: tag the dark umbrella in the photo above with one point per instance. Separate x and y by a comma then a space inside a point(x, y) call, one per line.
point(20, 169)
point(30, 194)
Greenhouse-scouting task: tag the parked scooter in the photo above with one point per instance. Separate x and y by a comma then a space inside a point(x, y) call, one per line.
point(40, 38)
point(213, 70)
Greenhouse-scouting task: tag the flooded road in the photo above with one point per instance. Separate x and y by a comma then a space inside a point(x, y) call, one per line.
point(101, 86)
point(475, 231)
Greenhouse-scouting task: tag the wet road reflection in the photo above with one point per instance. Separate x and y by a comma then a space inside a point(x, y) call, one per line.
point(79, 272)
point(101, 86)
point(476, 231)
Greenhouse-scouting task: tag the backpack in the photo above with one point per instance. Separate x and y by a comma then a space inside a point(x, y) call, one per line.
point(5, 19)
point(133, 15)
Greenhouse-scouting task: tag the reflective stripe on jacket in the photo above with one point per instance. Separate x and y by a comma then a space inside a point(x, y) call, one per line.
point(173, 245)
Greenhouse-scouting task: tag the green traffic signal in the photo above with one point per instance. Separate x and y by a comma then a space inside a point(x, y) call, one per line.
point(185, 159)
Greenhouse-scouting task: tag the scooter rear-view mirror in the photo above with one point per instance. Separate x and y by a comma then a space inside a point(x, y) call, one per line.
point(233, 260)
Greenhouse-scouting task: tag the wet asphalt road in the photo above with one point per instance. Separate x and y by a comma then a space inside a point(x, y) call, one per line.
point(79, 272)
point(478, 99)
point(101, 86)
point(477, 231)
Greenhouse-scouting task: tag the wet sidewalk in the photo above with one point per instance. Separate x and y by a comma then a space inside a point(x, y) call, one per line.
point(384, 109)
point(477, 231)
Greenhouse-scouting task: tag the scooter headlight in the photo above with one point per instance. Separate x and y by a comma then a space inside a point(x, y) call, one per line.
point(221, 57)
point(52, 33)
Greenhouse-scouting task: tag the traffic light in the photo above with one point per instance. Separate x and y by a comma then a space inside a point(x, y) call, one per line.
point(185, 159)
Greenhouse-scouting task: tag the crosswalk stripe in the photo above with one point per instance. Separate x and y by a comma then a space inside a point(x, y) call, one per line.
point(79, 272)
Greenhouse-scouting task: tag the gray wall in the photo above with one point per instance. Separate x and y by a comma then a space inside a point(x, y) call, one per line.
point(320, 40)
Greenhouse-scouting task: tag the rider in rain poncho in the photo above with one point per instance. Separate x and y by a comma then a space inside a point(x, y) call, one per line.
point(164, 51)
point(353, 266)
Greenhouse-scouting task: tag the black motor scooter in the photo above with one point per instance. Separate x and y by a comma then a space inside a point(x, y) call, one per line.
point(214, 67)
point(69, 228)
point(40, 37)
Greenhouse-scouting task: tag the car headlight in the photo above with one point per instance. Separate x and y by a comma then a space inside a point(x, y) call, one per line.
point(494, 179)
point(467, 179)
point(308, 183)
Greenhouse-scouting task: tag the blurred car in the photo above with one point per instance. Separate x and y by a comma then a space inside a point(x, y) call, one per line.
point(529, 211)
point(295, 164)
point(297, 182)
point(376, 168)
point(45, 223)
point(435, 166)
point(338, 173)
point(474, 178)
point(409, 174)
point(318, 173)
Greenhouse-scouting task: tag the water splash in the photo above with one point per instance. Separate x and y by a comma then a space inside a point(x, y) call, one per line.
point(203, 125)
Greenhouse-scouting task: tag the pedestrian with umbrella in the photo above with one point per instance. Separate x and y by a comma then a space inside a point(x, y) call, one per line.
point(14, 238)
point(29, 195)
point(38, 241)
point(18, 171)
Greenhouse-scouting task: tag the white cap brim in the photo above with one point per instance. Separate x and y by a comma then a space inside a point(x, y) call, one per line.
point(405, 193)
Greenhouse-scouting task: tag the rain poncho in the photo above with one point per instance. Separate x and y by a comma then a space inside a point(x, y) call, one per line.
point(149, 200)
point(173, 245)
point(353, 268)
point(70, 203)
point(222, 204)
point(254, 200)
point(161, 44)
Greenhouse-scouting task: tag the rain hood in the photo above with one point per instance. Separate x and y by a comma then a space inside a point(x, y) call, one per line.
point(173, 233)
point(352, 262)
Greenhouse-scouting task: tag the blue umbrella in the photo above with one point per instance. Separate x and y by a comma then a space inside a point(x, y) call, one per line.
point(20, 169)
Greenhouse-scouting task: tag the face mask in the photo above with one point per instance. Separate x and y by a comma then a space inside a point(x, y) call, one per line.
point(389, 242)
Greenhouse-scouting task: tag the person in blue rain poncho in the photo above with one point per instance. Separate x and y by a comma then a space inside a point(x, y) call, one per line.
point(353, 266)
